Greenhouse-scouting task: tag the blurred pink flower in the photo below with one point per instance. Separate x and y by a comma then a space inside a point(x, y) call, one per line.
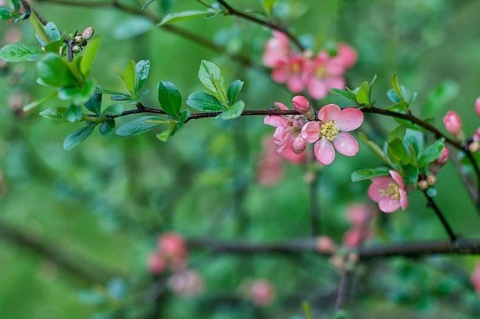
point(346, 55)
point(324, 73)
point(358, 214)
point(293, 157)
point(475, 278)
point(288, 128)
point(269, 168)
point(477, 106)
point(325, 244)
point(453, 123)
point(156, 263)
point(261, 291)
point(186, 283)
point(277, 50)
point(292, 72)
point(389, 192)
point(172, 244)
point(330, 133)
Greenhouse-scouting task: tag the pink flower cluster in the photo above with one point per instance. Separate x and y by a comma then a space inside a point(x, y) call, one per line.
point(171, 254)
point(328, 132)
point(301, 71)
point(389, 192)
point(260, 291)
point(359, 217)
point(453, 124)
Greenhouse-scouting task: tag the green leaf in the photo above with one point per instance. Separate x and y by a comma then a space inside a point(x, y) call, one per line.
point(184, 116)
point(40, 32)
point(344, 93)
point(182, 16)
point(233, 91)
point(79, 95)
point(167, 132)
point(307, 310)
point(392, 96)
point(74, 113)
point(20, 52)
point(398, 132)
point(5, 13)
point(54, 46)
point(232, 113)
point(375, 149)
point(131, 27)
point(114, 110)
point(439, 97)
point(78, 136)
point(16, 5)
point(204, 102)
point(212, 79)
point(53, 32)
point(149, 2)
point(120, 97)
point(94, 103)
point(400, 107)
point(431, 153)
point(363, 93)
point(107, 127)
point(169, 98)
point(397, 88)
point(141, 70)
point(54, 70)
point(369, 173)
point(89, 55)
point(397, 151)
point(268, 5)
point(140, 125)
point(410, 174)
point(55, 113)
point(129, 77)
point(36, 103)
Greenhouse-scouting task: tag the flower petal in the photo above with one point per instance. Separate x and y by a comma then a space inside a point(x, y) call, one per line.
point(277, 121)
point(346, 144)
point(329, 112)
point(324, 151)
point(403, 199)
point(397, 178)
point(317, 88)
point(350, 119)
point(378, 183)
point(311, 132)
point(281, 106)
point(388, 205)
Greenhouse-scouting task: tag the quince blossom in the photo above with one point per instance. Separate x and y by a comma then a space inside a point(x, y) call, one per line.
point(453, 123)
point(389, 192)
point(329, 134)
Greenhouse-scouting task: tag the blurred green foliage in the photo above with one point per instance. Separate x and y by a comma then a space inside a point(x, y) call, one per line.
point(105, 202)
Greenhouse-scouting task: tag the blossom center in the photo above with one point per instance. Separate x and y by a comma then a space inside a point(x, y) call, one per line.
point(329, 130)
point(321, 72)
point(392, 191)
point(296, 67)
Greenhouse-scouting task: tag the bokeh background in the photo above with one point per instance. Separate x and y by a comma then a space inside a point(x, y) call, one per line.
point(76, 227)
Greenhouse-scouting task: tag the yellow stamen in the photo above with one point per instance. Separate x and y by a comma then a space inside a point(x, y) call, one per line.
point(329, 130)
point(392, 191)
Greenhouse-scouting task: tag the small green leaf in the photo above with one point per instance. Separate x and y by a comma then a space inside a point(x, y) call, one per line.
point(20, 52)
point(55, 113)
point(344, 93)
point(182, 16)
point(5, 13)
point(89, 55)
point(141, 68)
point(397, 151)
point(233, 91)
point(129, 77)
point(410, 174)
point(439, 97)
point(167, 132)
point(40, 32)
point(364, 174)
point(54, 70)
point(212, 79)
point(16, 5)
point(140, 125)
point(431, 153)
point(53, 32)
point(396, 87)
point(268, 5)
point(400, 107)
point(169, 98)
point(204, 102)
point(36, 103)
point(78, 136)
point(120, 97)
point(232, 113)
point(184, 116)
point(94, 103)
point(145, 6)
point(307, 310)
point(398, 132)
point(54, 47)
point(107, 127)
point(79, 95)
point(363, 93)
point(114, 110)
point(74, 113)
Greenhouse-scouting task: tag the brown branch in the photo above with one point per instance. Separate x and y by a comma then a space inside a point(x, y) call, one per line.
point(431, 203)
point(343, 289)
point(296, 247)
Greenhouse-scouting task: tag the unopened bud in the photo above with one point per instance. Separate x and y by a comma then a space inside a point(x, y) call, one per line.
point(302, 105)
point(299, 145)
point(431, 180)
point(422, 185)
point(453, 123)
point(473, 147)
point(87, 34)
point(443, 158)
point(76, 49)
point(78, 40)
point(325, 244)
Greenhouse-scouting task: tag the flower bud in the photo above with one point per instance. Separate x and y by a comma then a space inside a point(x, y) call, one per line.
point(422, 185)
point(156, 263)
point(474, 147)
point(443, 158)
point(262, 292)
point(325, 244)
point(302, 105)
point(78, 40)
point(431, 180)
point(477, 106)
point(299, 145)
point(76, 49)
point(452, 122)
point(87, 34)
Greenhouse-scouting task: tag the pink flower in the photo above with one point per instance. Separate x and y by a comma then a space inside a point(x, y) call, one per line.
point(325, 244)
point(475, 278)
point(358, 214)
point(186, 283)
point(477, 106)
point(323, 74)
point(156, 263)
point(389, 192)
point(288, 129)
point(261, 291)
point(443, 158)
point(172, 244)
point(354, 237)
point(346, 55)
point(292, 72)
point(330, 133)
point(277, 50)
point(452, 122)
point(270, 168)
point(290, 156)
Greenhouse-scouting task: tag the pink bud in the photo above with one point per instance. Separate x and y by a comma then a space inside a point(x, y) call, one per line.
point(87, 34)
point(301, 104)
point(325, 244)
point(443, 158)
point(262, 292)
point(299, 145)
point(477, 106)
point(172, 245)
point(452, 122)
point(358, 214)
point(156, 263)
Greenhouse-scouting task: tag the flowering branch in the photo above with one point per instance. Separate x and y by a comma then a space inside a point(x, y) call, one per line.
point(431, 203)
point(268, 24)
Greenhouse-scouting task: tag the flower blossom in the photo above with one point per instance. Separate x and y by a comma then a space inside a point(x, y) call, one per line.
point(287, 134)
point(389, 192)
point(453, 123)
point(260, 291)
point(171, 253)
point(269, 168)
point(359, 217)
point(329, 133)
point(186, 283)
point(324, 73)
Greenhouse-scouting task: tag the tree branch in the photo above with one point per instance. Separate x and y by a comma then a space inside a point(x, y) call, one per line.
point(431, 203)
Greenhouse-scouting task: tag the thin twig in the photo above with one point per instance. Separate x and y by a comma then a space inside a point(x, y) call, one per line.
point(343, 289)
point(315, 205)
point(431, 203)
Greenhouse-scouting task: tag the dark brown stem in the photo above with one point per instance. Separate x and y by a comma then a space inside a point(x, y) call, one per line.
point(268, 24)
point(431, 203)
point(343, 289)
point(315, 205)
